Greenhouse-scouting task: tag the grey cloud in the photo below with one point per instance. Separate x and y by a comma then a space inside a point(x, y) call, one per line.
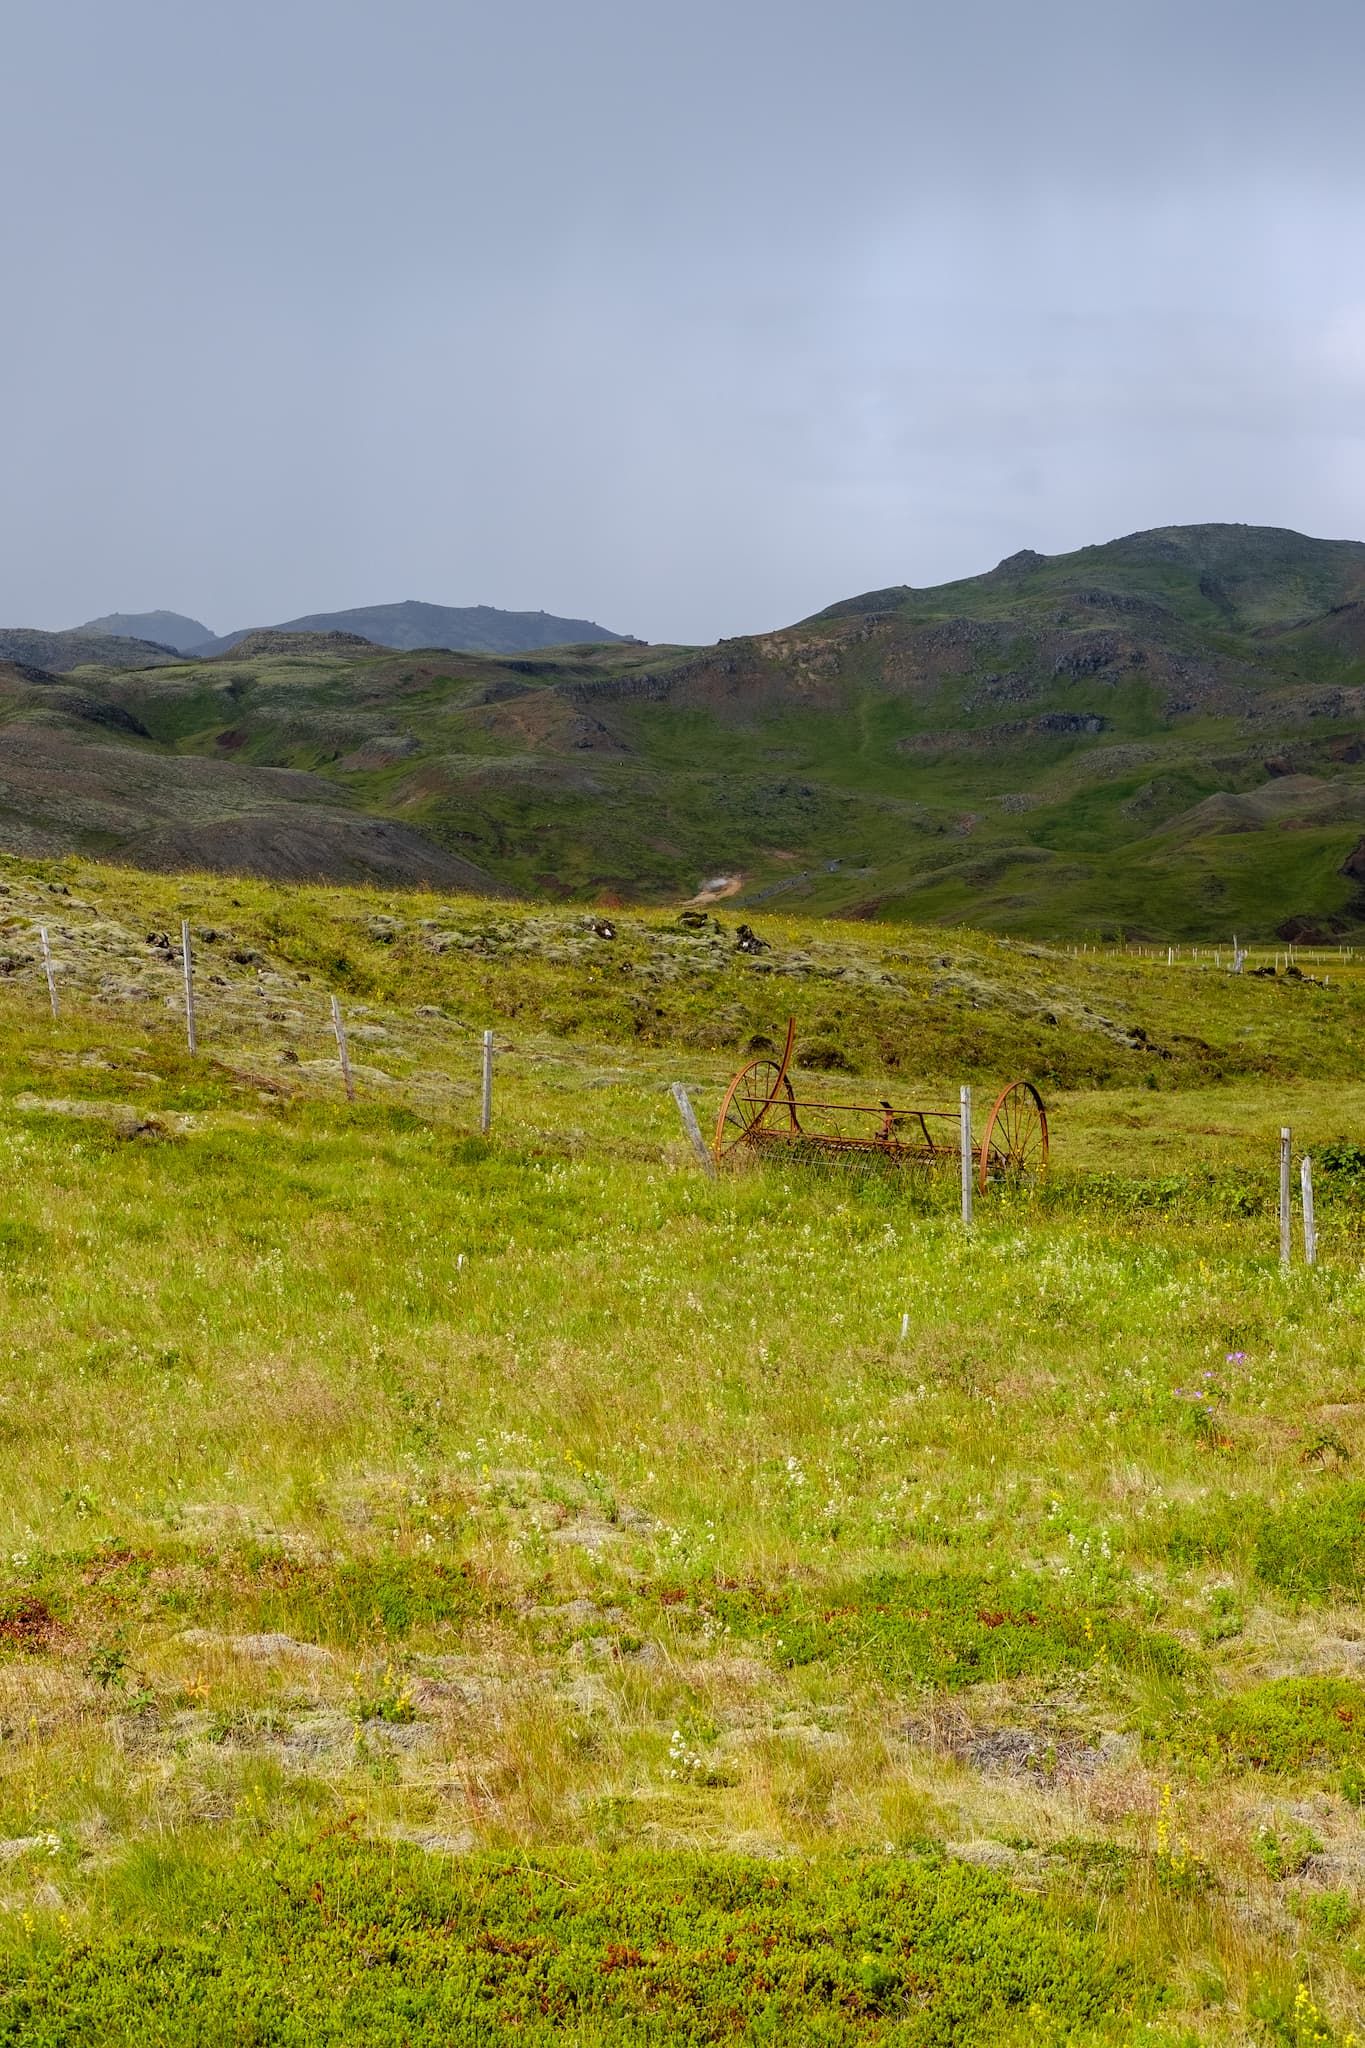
point(692, 319)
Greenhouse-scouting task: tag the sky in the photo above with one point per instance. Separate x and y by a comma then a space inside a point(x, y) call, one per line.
point(690, 319)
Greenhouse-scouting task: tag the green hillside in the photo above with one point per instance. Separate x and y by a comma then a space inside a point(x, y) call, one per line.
point(1163, 736)
point(455, 1590)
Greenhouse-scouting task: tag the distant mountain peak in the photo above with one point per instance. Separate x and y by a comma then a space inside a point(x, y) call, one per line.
point(464, 629)
point(162, 629)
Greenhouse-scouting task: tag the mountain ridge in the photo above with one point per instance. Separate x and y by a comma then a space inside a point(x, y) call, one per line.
point(1162, 735)
point(471, 629)
point(1211, 549)
point(127, 639)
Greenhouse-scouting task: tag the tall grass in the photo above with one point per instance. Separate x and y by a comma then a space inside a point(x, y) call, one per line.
point(367, 1481)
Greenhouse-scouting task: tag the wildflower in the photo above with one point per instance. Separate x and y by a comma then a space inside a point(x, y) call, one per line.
point(1167, 1848)
point(1308, 2020)
point(1163, 1823)
point(683, 1762)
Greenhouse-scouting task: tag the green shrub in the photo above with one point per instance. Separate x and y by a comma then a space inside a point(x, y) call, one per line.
point(1340, 1165)
point(343, 1942)
point(1314, 1546)
point(1330, 1914)
point(948, 1629)
point(1286, 1724)
point(1213, 1531)
point(1284, 1852)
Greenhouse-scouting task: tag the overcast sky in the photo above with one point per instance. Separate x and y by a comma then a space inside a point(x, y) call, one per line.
point(690, 318)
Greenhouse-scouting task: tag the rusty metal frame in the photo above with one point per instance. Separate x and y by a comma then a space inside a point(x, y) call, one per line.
point(762, 1113)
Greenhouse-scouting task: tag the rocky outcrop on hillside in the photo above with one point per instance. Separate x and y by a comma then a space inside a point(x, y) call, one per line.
point(59, 652)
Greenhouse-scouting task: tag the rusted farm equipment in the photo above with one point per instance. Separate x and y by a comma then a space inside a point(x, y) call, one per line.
point(762, 1114)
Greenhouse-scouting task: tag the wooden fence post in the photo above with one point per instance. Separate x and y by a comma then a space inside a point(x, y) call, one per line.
point(1286, 1247)
point(343, 1050)
point(693, 1129)
point(1310, 1221)
point(965, 1148)
point(47, 969)
point(187, 960)
point(486, 1104)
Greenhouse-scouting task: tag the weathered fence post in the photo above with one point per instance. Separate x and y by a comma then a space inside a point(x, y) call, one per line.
point(693, 1129)
point(965, 1148)
point(47, 969)
point(1310, 1221)
point(187, 960)
point(486, 1104)
point(1285, 1241)
point(343, 1050)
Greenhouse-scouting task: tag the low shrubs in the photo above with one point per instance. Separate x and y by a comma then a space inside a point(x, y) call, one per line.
point(1314, 1546)
point(948, 1629)
point(346, 1942)
point(1287, 1724)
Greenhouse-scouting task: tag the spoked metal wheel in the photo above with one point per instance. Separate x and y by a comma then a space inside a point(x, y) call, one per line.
point(760, 1098)
point(1014, 1142)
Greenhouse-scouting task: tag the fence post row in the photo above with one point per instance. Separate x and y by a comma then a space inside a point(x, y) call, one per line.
point(1310, 1222)
point(693, 1129)
point(343, 1050)
point(47, 969)
point(187, 961)
point(486, 1104)
point(688, 1115)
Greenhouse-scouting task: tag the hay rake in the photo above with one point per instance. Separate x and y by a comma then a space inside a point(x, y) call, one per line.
point(763, 1115)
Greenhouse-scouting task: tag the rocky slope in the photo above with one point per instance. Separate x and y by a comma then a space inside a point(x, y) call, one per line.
point(79, 647)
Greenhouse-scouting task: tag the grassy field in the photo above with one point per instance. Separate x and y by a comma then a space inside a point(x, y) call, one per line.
point(454, 1591)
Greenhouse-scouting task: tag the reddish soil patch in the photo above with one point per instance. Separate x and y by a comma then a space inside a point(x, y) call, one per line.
point(115, 1560)
point(30, 1625)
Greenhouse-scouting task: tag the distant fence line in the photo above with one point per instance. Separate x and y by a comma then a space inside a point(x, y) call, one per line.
point(1234, 957)
point(190, 1001)
point(491, 1045)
